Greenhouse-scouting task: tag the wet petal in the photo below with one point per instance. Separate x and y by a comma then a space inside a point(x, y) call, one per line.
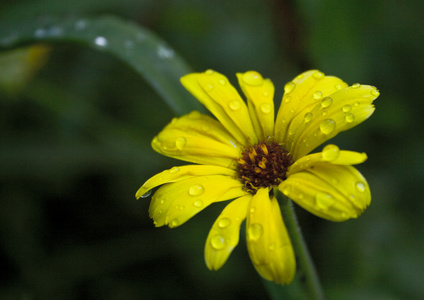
point(215, 92)
point(338, 112)
point(330, 154)
point(181, 173)
point(197, 138)
point(300, 96)
point(260, 99)
point(175, 203)
point(333, 192)
point(268, 242)
point(224, 234)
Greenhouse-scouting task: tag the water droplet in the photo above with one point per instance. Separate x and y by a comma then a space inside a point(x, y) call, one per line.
point(222, 82)
point(360, 186)
point(129, 44)
point(224, 222)
point(218, 242)
point(174, 121)
point(234, 104)
point(194, 115)
point(101, 41)
point(317, 95)
point(254, 232)
point(196, 190)
point(326, 102)
point(174, 170)
point(347, 108)
point(324, 200)
point(308, 117)
point(356, 104)
point(206, 128)
point(252, 78)
point(209, 72)
point(330, 153)
point(287, 189)
point(265, 94)
point(356, 85)
point(80, 25)
point(339, 87)
point(266, 108)
point(252, 210)
point(40, 33)
point(271, 247)
point(180, 207)
point(162, 201)
point(174, 223)
point(55, 31)
point(146, 194)
point(180, 143)
point(198, 203)
point(324, 112)
point(318, 75)
point(288, 99)
point(375, 93)
point(289, 87)
point(300, 76)
point(350, 117)
point(164, 52)
point(327, 126)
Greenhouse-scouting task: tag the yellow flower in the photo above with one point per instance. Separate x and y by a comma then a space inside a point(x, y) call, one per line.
point(245, 155)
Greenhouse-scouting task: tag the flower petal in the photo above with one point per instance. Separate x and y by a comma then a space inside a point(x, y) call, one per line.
point(215, 92)
point(260, 94)
point(197, 138)
point(300, 96)
point(181, 173)
point(330, 154)
point(333, 192)
point(338, 112)
point(268, 242)
point(175, 203)
point(224, 234)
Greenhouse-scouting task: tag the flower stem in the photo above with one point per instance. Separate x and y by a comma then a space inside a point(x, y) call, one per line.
point(306, 265)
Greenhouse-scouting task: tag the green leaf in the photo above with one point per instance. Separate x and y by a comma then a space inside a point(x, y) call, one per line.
point(142, 50)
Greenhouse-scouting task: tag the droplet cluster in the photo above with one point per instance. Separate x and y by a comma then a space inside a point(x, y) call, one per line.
point(263, 165)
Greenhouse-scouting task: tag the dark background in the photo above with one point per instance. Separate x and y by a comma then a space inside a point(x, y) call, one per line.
point(74, 148)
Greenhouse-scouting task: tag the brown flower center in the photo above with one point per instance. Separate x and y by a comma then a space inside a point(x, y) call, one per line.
point(263, 165)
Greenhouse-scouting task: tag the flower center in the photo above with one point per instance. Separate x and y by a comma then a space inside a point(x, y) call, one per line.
point(263, 165)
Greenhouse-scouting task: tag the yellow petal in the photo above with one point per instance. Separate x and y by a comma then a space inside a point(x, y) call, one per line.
point(338, 112)
point(330, 154)
point(300, 95)
point(333, 192)
point(197, 138)
point(268, 242)
point(215, 92)
point(224, 234)
point(260, 98)
point(181, 173)
point(175, 203)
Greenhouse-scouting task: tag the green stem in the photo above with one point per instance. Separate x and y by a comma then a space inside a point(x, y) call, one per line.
point(306, 265)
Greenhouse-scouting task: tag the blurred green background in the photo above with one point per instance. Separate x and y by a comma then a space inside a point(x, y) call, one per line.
point(75, 147)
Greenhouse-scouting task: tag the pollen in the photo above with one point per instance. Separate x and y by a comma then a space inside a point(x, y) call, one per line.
point(263, 165)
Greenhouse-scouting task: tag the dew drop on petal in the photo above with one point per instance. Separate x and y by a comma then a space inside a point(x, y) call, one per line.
point(360, 186)
point(317, 95)
point(339, 87)
point(271, 247)
point(174, 170)
point(252, 210)
point(318, 75)
point(194, 115)
point(209, 72)
point(356, 85)
point(222, 82)
point(308, 117)
point(287, 99)
point(198, 203)
point(234, 104)
point(326, 102)
point(218, 242)
point(323, 200)
point(350, 117)
point(375, 93)
point(146, 194)
point(327, 126)
point(253, 78)
point(289, 87)
point(224, 222)
point(254, 232)
point(180, 143)
point(347, 108)
point(330, 153)
point(287, 189)
point(174, 223)
point(196, 190)
point(266, 108)
point(101, 41)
